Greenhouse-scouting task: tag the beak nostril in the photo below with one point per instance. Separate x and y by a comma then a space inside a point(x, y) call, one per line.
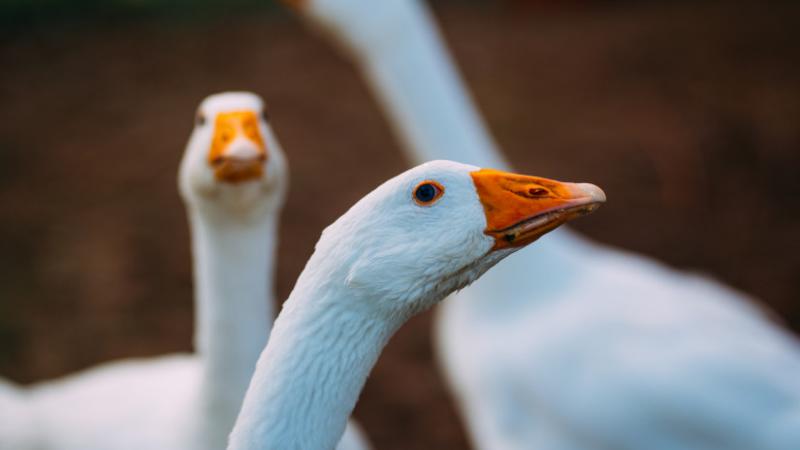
point(537, 192)
point(218, 161)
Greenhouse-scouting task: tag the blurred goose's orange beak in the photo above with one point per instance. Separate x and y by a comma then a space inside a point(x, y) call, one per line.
point(520, 209)
point(238, 151)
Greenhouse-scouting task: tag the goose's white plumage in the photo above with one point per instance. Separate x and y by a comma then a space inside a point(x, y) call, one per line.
point(14, 416)
point(232, 179)
point(573, 345)
point(394, 253)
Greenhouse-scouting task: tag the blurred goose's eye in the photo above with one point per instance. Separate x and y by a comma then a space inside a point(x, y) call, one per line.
point(264, 114)
point(200, 120)
point(428, 192)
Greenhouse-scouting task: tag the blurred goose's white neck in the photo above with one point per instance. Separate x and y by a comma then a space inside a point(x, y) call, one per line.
point(233, 272)
point(309, 377)
point(410, 71)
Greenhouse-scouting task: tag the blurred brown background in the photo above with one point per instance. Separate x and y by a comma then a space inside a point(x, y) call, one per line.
point(686, 114)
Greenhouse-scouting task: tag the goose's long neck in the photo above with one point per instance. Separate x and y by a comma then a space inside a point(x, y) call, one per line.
point(233, 273)
point(405, 61)
point(310, 375)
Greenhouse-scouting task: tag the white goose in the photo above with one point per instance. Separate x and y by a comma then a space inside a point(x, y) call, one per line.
point(614, 350)
point(233, 181)
point(398, 251)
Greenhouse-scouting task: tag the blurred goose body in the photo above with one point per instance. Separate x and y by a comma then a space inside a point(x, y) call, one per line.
point(399, 250)
point(573, 345)
point(15, 416)
point(233, 179)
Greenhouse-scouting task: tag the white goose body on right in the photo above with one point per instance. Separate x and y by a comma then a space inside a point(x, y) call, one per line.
point(398, 251)
point(573, 345)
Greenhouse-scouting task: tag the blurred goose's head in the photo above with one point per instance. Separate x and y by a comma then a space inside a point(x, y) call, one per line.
point(233, 159)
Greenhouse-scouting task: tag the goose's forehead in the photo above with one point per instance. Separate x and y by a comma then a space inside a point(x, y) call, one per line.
point(231, 101)
point(454, 177)
point(441, 171)
point(398, 191)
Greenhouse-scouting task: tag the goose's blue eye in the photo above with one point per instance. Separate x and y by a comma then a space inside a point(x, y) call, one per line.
point(427, 192)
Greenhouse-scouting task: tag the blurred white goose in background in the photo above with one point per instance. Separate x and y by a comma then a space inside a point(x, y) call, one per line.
point(233, 180)
point(15, 418)
point(574, 345)
point(398, 251)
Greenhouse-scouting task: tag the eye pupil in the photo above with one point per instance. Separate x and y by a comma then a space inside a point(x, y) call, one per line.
point(425, 192)
point(200, 119)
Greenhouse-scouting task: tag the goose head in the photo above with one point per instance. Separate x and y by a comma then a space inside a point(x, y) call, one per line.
point(233, 162)
point(439, 226)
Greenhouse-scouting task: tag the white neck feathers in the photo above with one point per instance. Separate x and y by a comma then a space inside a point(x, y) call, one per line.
point(233, 271)
point(309, 377)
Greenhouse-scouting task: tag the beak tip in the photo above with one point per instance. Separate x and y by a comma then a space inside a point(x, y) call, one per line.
point(597, 195)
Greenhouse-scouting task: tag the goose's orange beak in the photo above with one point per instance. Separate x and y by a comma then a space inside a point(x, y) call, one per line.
point(237, 150)
point(520, 209)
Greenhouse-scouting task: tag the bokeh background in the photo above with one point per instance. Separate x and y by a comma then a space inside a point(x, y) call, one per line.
point(686, 113)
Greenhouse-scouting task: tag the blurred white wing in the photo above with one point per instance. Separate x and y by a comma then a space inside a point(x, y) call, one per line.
point(132, 404)
point(688, 365)
point(15, 416)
